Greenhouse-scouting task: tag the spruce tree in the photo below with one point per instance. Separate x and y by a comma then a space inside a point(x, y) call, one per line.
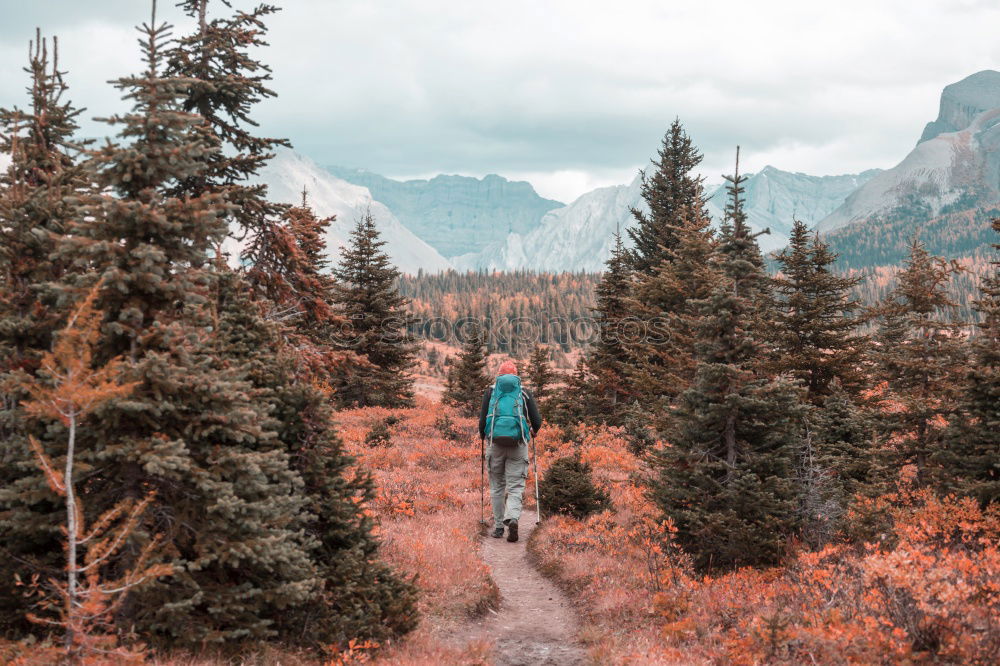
point(279, 325)
point(467, 380)
point(815, 332)
point(285, 264)
point(286, 269)
point(367, 295)
point(358, 596)
point(195, 431)
point(38, 198)
point(726, 480)
point(662, 363)
point(608, 357)
point(970, 457)
point(919, 354)
point(540, 376)
point(673, 187)
point(838, 463)
point(225, 83)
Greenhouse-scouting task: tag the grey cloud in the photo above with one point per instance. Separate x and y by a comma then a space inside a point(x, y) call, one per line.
point(521, 86)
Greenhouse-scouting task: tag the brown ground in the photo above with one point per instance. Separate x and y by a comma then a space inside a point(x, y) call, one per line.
point(535, 625)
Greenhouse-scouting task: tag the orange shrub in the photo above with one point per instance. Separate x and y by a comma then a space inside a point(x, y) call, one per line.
point(929, 592)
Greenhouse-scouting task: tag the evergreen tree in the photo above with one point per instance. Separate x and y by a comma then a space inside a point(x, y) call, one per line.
point(662, 363)
point(671, 188)
point(838, 462)
point(195, 431)
point(565, 407)
point(467, 378)
point(38, 199)
point(919, 354)
point(290, 358)
point(286, 265)
point(288, 273)
point(539, 374)
point(568, 488)
point(814, 333)
point(727, 479)
point(971, 455)
point(367, 295)
point(608, 357)
point(225, 83)
point(358, 597)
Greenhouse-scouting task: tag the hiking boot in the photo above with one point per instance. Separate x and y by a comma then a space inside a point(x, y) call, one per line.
point(511, 530)
point(497, 532)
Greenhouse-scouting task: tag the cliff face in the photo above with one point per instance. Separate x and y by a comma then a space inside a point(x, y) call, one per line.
point(457, 214)
point(577, 237)
point(961, 102)
point(956, 164)
point(774, 198)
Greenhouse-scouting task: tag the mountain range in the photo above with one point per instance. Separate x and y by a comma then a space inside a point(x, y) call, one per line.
point(288, 173)
point(951, 177)
point(456, 214)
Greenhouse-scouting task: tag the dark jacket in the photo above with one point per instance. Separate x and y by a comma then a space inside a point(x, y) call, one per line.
point(530, 410)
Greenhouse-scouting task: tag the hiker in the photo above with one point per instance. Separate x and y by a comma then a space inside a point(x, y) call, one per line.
point(507, 414)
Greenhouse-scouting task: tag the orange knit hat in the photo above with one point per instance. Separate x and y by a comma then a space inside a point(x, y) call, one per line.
point(507, 368)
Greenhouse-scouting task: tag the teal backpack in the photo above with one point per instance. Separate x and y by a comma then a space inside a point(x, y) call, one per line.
point(506, 423)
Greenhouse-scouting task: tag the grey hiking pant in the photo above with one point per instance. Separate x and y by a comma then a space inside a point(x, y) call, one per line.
point(508, 469)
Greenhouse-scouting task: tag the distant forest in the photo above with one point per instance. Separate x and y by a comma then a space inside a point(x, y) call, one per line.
point(516, 309)
point(556, 309)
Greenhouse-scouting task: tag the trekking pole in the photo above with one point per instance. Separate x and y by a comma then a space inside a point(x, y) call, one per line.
point(482, 482)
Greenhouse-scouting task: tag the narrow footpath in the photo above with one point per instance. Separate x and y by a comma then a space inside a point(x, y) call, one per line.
point(535, 625)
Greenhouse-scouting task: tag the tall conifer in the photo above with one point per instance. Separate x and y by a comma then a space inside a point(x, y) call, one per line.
point(367, 294)
point(662, 362)
point(467, 378)
point(225, 84)
point(971, 454)
point(815, 327)
point(39, 194)
point(919, 353)
point(673, 187)
point(195, 430)
point(726, 480)
point(608, 357)
point(540, 376)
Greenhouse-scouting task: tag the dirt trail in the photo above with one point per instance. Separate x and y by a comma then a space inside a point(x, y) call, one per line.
point(535, 625)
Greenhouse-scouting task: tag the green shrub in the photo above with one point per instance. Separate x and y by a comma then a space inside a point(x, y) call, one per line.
point(568, 488)
point(446, 426)
point(380, 434)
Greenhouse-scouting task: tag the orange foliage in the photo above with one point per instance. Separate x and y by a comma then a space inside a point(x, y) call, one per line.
point(929, 592)
point(427, 508)
point(84, 603)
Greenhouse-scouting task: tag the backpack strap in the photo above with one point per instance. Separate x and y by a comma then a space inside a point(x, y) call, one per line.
point(493, 409)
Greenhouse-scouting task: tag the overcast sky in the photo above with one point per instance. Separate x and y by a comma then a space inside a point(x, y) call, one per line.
point(568, 94)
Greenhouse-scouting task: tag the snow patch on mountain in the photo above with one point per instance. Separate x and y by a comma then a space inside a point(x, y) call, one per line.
point(289, 172)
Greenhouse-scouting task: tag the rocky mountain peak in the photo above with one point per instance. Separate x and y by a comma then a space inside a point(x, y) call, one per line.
point(961, 102)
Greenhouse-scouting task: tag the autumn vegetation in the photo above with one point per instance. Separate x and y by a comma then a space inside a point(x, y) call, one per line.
point(213, 455)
